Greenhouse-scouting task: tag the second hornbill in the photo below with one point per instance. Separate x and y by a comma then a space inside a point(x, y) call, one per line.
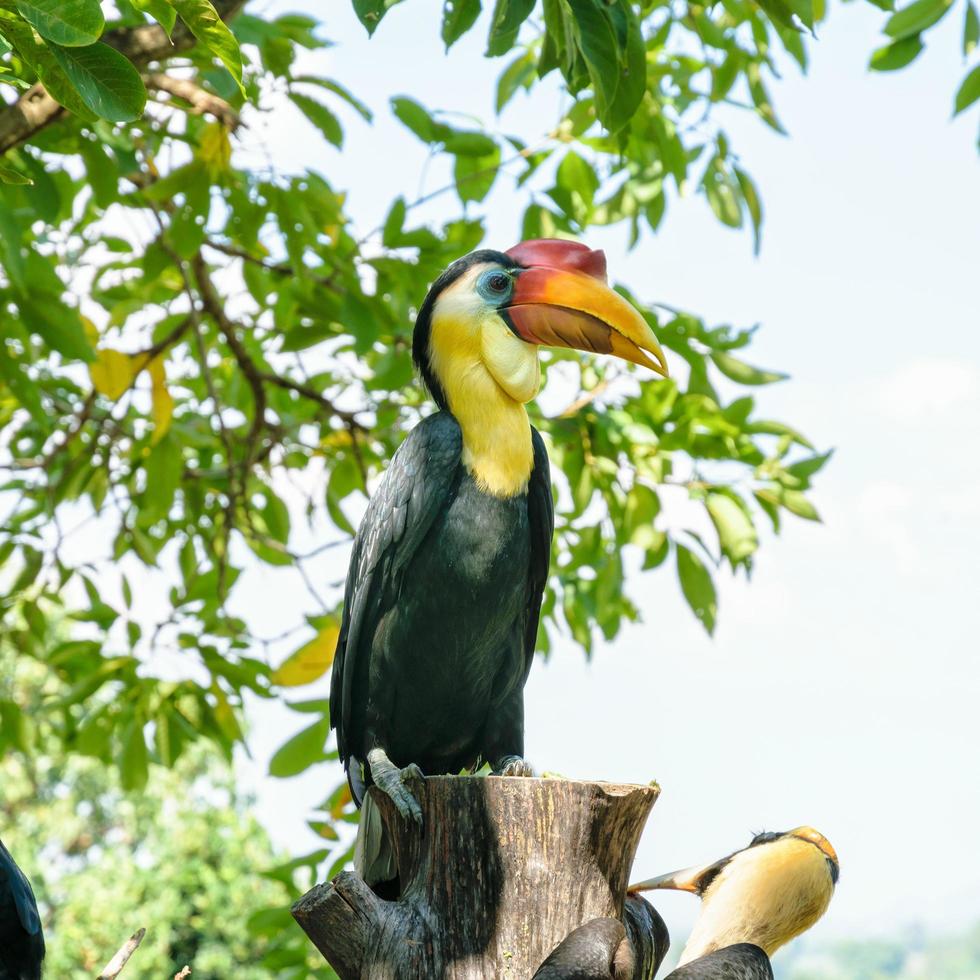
point(753, 902)
point(448, 567)
point(21, 937)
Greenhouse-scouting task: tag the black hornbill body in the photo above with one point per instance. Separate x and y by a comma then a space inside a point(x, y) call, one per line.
point(740, 961)
point(21, 937)
point(448, 568)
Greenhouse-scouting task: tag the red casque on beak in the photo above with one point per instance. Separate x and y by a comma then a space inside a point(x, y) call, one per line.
point(561, 299)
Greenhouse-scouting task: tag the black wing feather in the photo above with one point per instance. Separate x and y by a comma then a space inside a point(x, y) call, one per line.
point(743, 961)
point(419, 482)
point(21, 892)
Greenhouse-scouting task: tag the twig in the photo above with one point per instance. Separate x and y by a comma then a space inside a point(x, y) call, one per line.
point(587, 399)
point(211, 302)
point(313, 395)
point(524, 154)
point(184, 973)
point(114, 967)
point(279, 268)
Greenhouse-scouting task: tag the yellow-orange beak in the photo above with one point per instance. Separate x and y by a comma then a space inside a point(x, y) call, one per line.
point(561, 299)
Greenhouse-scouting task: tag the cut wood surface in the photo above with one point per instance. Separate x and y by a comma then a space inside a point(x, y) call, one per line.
point(502, 871)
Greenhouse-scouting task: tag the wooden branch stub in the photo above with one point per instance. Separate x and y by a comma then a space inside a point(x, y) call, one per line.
point(503, 871)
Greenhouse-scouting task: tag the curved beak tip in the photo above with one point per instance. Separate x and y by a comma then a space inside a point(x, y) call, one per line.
point(568, 308)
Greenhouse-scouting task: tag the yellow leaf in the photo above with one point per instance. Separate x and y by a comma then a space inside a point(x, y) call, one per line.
point(341, 803)
point(91, 331)
point(215, 149)
point(309, 662)
point(112, 372)
point(162, 402)
point(224, 715)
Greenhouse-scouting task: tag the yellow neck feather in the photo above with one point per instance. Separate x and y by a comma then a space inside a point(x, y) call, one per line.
point(497, 446)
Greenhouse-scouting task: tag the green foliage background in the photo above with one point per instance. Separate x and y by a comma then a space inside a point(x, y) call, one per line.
point(184, 334)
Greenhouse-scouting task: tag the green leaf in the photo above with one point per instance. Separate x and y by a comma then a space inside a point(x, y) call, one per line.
point(106, 80)
point(474, 176)
point(370, 12)
point(160, 10)
point(301, 751)
point(806, 468)
point(971, 29)
point(337, 89)
point(41, 58)
point(394, 223)
point(754, 205)
point(744, 373)
point(736, 532)
point(59, 325)
point(896, 55)
point(164, 467)
point(697, 587)
point(720, 191)
point(411, 114)
point(11, 176)
point(508, 15)
point(467, 143)
point(968, 92)
point(320, 116)
point(916, 17)
point(458, 16)
point(133, 762)
point(21, 386)
point(612, 46)
point(71, 23)
point(205, 24)
point(796, 503)
point(780, 13)
point(632, 83)
point(518, 74)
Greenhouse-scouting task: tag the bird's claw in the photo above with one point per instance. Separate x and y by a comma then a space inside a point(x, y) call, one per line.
point(398, 787)
point(513, 765)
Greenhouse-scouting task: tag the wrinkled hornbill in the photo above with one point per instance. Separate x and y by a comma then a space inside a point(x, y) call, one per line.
point(448, 568)
point(753, 902)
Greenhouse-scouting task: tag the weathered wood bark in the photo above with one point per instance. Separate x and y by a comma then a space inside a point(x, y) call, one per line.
point(503, 871)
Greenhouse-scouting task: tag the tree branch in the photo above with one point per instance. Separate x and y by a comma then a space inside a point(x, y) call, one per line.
point(313, 395)
point(279, 268)
point(142, 45)
point(201, 101)
point(212, 303)
point(114, 967)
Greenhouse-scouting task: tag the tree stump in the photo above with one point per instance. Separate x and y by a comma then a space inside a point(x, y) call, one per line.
point(503, 870)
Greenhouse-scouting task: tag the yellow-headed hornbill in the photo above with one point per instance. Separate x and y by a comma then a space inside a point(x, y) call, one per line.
point(753, 902)
point(21, 937)
point(446, 576)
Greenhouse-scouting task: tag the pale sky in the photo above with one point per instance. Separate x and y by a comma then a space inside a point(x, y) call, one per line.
point(842, 687)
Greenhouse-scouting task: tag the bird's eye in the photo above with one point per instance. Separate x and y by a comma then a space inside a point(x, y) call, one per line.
point(496, 285)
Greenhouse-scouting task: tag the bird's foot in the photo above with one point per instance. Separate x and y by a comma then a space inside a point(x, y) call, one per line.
point(397, 783)
point(513, 765)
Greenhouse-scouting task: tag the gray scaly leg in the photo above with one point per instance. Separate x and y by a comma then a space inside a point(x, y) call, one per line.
point(393, 782)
